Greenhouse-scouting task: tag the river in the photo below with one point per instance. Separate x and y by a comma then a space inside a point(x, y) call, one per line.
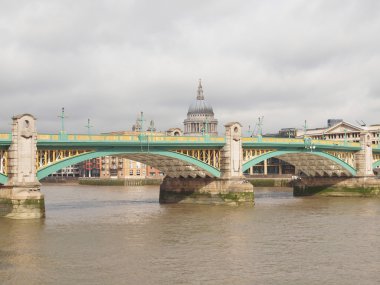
point(118, 235)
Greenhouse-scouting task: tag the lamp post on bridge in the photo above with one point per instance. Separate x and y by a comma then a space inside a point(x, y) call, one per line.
point(88, 126)
point(260, 129)
point(309, 144)
point(88, 163)
point(62, 133)
point(249, 131)
point(206, 131)
point(141, 120)
point(304, 129)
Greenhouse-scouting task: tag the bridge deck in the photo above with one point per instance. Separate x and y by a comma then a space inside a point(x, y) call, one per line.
point(190, 155)
point(81, 140)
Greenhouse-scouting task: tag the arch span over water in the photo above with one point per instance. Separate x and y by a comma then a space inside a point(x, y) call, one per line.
point(161, 159)
point(376, 164)
point(336, 163)
point(3, 178)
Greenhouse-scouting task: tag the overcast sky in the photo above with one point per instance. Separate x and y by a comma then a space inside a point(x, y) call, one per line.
point(286, 60)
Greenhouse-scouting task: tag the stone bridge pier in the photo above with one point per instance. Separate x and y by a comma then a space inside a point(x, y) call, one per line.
point(230, 188)
point(364, 184)
point(21, 198)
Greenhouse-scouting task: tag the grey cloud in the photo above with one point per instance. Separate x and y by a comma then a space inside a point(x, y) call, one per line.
point(108, 60)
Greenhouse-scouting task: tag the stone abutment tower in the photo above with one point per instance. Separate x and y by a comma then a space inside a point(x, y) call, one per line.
point(364, 158)
point(21, 198)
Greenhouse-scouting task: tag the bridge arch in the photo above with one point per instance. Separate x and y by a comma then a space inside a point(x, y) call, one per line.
point(288, 153)
point(376, 164)
point(187, 164)
point(3, 178)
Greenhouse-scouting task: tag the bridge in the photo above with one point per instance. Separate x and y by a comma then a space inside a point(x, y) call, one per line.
point(27, 157)
point(184, 156)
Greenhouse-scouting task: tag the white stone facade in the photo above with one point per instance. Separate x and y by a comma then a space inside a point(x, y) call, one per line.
point(342, 131)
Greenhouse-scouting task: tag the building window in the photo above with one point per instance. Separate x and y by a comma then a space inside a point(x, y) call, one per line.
point(131, 172)
point(138, 172)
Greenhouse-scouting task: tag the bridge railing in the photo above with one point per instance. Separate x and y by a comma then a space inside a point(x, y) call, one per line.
point(5, 137)
point(5, 140)
point(332, 143)
point(127, 138)
point(273, 140)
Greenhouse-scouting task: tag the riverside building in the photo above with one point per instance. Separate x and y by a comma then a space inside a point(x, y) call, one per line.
point(340, 130)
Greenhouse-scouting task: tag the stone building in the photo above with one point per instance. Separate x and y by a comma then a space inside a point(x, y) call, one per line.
point(174, 132)
point(90, 168)
point(200, 117)
point(124, 168)
point(120, 167)
point(341, 131)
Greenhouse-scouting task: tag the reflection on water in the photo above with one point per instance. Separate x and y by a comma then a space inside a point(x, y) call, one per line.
point(117, 235)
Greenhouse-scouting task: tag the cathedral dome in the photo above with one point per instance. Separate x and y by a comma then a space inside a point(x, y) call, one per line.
point(200, 117)
point(200, 107)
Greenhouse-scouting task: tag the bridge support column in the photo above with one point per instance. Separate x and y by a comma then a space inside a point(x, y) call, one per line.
point(231, 188)
point(20, 197)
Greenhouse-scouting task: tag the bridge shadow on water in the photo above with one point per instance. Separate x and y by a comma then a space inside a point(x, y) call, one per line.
point(74, 197)
point(95, 204)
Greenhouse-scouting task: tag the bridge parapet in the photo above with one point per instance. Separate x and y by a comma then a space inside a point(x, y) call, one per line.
point(45, 138)
point(293, 141)
point(6, 137)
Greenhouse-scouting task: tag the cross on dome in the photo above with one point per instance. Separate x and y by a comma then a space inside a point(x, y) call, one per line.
point(200, 91)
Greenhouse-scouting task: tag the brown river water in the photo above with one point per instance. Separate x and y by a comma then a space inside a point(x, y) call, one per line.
point(118, 235)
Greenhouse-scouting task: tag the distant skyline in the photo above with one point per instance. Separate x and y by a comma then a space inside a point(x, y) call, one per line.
point(289, 61)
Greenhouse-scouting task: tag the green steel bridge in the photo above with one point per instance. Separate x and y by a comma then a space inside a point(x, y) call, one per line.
point(184, 156)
